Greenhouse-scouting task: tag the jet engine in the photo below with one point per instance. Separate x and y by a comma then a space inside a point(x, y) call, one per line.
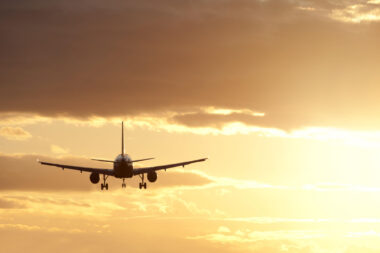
point(152, 176)
point(94, 178)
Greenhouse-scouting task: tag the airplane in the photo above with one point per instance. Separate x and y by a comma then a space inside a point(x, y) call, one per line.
point(122, 168)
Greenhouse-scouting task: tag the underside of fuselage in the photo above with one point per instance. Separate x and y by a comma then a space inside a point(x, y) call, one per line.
point(123, 167)
point(123, 170)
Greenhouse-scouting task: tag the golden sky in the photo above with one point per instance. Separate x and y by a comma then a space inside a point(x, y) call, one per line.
point(282, 96)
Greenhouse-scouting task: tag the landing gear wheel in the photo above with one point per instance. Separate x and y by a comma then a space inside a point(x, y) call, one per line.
point(104, 185)
point(123, 185)
point(142, 184)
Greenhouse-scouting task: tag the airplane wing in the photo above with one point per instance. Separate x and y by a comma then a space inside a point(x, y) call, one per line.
point(86, 169)
point(164, 167)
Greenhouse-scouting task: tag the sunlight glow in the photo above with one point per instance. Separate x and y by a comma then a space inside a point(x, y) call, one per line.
point(225, 111)
point(357, 13)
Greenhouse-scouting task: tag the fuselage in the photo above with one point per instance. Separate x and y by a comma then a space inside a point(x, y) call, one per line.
point(123, 166)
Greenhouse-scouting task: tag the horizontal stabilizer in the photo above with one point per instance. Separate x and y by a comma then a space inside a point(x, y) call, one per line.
point(101, 160)
point(142, 160)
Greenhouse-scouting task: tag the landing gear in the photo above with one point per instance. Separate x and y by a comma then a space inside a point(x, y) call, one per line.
point(123, 185)
point(104, 185)
point(142, 184)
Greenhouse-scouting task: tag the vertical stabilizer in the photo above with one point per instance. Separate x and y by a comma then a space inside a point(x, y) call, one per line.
point(122, 137)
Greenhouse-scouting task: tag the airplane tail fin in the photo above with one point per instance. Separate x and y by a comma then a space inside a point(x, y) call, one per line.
point(122, 138)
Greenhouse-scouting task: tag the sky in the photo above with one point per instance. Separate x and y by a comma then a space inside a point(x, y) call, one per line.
point(281, 96)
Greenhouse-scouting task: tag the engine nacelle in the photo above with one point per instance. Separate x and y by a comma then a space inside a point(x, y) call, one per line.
point(152, 176)
point(94, 178)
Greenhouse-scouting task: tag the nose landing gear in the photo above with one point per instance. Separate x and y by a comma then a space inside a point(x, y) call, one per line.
point(123, 185)
point(142, 184)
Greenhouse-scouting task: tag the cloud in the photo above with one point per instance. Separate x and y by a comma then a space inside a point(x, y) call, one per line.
point(14, 133)
point(226, 235)
point(90, 235)
point(223, 229)
point(14, 119)
point(184, 178)
point(10, 204)
point(98, 222)
point(24, 173)
point(265, 241)
point(28, 228)
point(220, 120)
point(58, 150)
point(300, 68)
point(358, 12)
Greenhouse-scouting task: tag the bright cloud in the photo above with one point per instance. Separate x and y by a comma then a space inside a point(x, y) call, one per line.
point(58, 150)
point(357, 13)
point(15, 133)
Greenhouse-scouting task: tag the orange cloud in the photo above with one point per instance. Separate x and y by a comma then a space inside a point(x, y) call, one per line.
point(58, 150)
point(358, 12)
point(15, 133)
point(300, 68)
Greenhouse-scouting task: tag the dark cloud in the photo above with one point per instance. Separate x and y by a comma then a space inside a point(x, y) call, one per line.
point(88, 58)
point(24, 173)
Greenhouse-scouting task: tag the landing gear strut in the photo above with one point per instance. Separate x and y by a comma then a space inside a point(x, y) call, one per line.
point(142, 184)
point(104, 185)
point(123, 185)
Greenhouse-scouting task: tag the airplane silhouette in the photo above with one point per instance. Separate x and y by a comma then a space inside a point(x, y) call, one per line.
point(123, 168)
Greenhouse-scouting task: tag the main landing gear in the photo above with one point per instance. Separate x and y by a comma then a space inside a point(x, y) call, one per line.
point(142, 184)
point(104, 185)
point(123, 185)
